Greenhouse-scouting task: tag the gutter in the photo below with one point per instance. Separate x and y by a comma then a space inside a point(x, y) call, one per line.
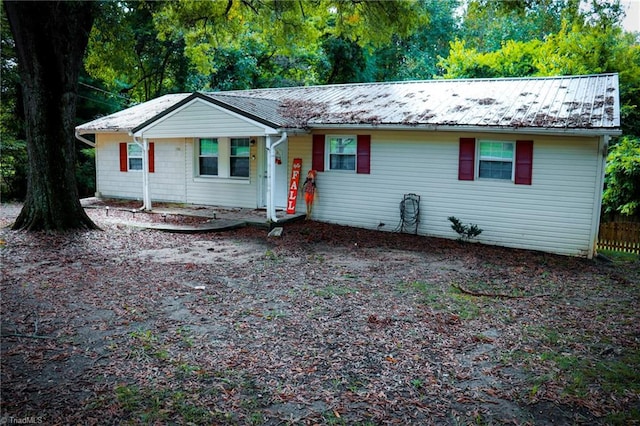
point(474, 129)
point(271, 148)
point(85, 140)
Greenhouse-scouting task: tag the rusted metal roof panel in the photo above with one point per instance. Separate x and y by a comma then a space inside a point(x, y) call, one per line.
point(551, 103)
point(578, 102)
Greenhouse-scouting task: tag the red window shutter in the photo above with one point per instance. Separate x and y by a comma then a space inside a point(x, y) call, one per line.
point(124, 166)
point(152, 157)
point(524, 162)
point(364, 154)
point(317, 153)
point(467, 159)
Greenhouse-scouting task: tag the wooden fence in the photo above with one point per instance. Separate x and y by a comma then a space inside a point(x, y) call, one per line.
point(620, 236)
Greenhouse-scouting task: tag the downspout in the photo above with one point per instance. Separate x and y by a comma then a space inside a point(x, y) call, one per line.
point(271, 164)
point(603, 148)
point(146, 198)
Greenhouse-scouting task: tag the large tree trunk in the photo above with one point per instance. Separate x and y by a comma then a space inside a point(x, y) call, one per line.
point(50, 38)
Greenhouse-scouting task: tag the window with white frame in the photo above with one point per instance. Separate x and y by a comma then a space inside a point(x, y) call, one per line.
point(495, 160)
point(134, 156)
point(342, 152)
point(239, 157)
point(208, 157)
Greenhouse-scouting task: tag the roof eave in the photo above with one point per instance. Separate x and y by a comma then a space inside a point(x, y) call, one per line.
point(81, 131)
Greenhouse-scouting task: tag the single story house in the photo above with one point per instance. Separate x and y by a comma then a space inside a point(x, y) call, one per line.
point(523, 158)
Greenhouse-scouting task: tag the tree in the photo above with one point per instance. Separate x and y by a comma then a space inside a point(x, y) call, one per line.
point(313, 31)
point(50, 40)
point(124, 52)
point(622, 182)
point(487, 24)
point(13, 162)
point(346, 60)
point(415, 56)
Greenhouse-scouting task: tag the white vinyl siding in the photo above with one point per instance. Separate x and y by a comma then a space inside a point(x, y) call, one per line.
point(226, 192)
point(177, 177)
point(554, 214)
point(166, 183)
point(201, 119)
point(174, 179)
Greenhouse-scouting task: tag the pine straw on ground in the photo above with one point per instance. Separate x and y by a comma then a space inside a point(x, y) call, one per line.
point(324, 325)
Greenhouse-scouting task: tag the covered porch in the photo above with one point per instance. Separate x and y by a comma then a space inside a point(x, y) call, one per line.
point(176, 217)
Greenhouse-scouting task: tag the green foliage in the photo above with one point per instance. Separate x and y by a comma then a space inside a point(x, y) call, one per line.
point(13, 169)
point(487, 24)
point(514, 59)
point(13, 148)
point(95, 100)
point(622, 179)
point(415, 57)
point(346, 61)
point(466, 232)
point(86, 172)
point(251, 44)
point(127, 54)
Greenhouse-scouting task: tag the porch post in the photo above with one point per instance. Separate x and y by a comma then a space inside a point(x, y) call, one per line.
point(271, 174)
point(146, 197)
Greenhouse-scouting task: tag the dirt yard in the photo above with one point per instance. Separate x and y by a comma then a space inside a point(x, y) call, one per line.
point(324, 325)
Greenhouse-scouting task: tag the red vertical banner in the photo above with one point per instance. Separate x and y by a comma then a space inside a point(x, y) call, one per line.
point(292, 198)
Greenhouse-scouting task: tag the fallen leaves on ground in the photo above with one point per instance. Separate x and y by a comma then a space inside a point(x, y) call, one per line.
point(325, 325)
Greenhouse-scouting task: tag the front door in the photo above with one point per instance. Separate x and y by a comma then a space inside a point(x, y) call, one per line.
point(281, 175)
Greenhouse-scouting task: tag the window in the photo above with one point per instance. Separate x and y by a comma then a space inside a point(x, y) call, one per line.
point(342, 153)
point(239, 158)
point(131, 157)
point(134, 156)
point(495, 160)
point(208, 157)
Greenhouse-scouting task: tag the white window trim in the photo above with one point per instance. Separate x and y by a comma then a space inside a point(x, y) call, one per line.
point(198, 156)
point(478, 159)
point(327, 153)
point(129, 157)
point(224, 162)
point(248, 157)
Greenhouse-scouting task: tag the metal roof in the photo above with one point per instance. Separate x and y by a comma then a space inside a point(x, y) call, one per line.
point(127, 119)
point(551, 103)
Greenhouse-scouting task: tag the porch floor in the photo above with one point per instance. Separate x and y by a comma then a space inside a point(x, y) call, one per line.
point(220, 218)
